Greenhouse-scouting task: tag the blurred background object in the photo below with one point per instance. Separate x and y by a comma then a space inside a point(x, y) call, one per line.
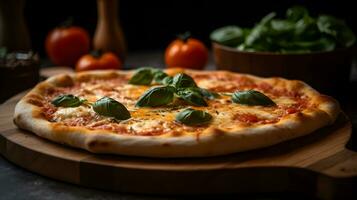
point(66, 43)
point(151, 25)
point(13, 31)
point(19, 70)
point(19, 65)
point(108, 34)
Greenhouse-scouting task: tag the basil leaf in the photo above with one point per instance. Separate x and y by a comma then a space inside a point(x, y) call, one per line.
point(252, 98)
point(208, 94)
point(183, 81)
point(205, 93)
point(229, 35)
point(67, 100)
point(3, 52)
point(192, 96)
point(298, 32)
point(336, 28)
point(267, 18)
point(193, 117)
point(306, 30)
point(296, 13)
point(159, 76)
point(142, 76)
point(156, 96)
point(167, 80)
point(109, 107)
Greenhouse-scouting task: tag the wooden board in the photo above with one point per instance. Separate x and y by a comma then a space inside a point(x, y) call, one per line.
point(315, 164)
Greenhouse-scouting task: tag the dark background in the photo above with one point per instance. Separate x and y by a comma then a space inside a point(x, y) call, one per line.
point(153, 24)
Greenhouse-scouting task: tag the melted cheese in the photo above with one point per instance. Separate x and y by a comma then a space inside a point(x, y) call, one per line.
point(147, 125)
point(65, 113)
point(144, 120)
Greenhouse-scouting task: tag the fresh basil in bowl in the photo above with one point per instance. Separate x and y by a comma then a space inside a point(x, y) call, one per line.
point(297, 32)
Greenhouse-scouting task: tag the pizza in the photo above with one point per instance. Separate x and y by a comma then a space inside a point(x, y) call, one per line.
point(172, 113)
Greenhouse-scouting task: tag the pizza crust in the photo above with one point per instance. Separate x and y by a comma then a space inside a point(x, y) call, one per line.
point(210, 142)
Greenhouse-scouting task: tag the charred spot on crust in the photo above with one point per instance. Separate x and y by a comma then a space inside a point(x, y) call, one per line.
point(111, 75)
point(176, 134)
point(64, 81)
point(218, 132)
point(93, 144)
point(166, 144)
point(17, 118)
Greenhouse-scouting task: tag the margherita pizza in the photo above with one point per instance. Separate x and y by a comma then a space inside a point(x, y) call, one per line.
point(172, 113)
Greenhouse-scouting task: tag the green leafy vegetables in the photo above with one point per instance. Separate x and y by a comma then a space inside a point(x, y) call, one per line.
point(193, 117)
point(156, 96)
point(105, 106)
point(298, 32)
point(181, 85)
point(111, 108)
point(146, 75)
point(67, 100)
point(252, 98)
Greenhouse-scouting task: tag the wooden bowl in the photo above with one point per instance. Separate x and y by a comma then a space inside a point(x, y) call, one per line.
point(325, 71)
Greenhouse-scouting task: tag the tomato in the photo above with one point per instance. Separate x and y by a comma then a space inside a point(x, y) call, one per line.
point(65, 45)
point(98, 61)
point(186, 52)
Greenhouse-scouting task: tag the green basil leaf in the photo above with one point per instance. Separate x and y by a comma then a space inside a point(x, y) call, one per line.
point(298, 32)
point(193, 117)
point(205, 93)
point(208, 94)
point(192, 97)
point(67, 100)
point(283, 28)
point(156, 96)
point(252, 98)
point(336, 28)
point(183, 81)
point(229, 35)
point(142, 76)
point(3, 52)
point(296, 13)
point(159, 76)
point(267, 18)
point(306, 30)
point(167, 80)
point(109, 107)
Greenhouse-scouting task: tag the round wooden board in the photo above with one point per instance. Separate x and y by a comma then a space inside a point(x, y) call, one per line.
point(312, 164)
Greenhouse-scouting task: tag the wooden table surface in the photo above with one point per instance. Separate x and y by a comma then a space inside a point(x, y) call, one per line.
point(17, 183)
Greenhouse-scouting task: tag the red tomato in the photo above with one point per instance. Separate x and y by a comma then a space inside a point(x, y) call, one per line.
point(107, 60)
point(186, 53)
point(65, 45)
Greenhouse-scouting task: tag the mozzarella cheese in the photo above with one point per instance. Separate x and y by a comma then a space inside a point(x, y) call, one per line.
point(146, 120)
point(65, 113)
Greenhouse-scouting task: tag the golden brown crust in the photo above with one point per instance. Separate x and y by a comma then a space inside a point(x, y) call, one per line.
point(212, 141)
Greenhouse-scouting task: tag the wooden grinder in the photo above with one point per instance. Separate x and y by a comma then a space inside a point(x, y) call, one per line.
point(109, 35)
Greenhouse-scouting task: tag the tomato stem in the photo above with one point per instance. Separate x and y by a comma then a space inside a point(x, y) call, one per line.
point(96, 53)
point(184, 36)
point(67, 23)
